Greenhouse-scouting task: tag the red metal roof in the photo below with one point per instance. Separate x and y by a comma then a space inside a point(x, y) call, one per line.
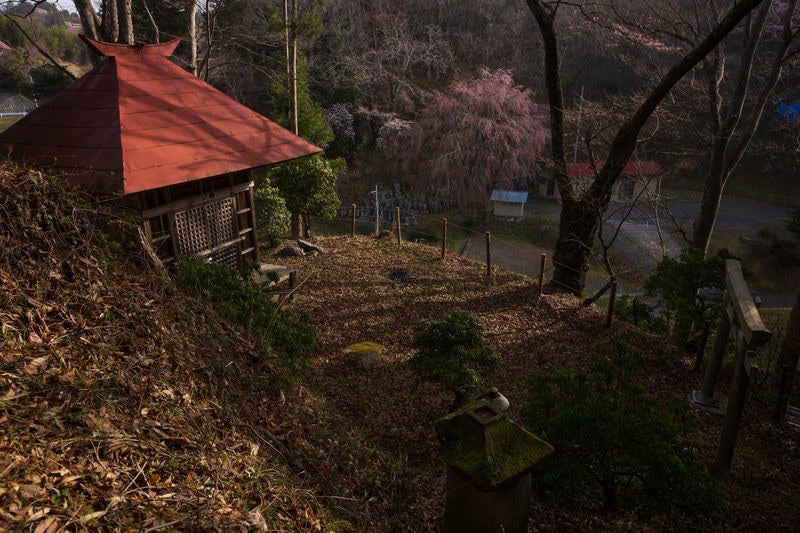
point(138, 122)
point(632, 168)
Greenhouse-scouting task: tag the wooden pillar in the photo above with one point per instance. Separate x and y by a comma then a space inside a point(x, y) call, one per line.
point(542, 264)
point(397, 220)
point(352, 220)
point(706, 395)
point(701, 346)
point(787, 363)
point(733, 414)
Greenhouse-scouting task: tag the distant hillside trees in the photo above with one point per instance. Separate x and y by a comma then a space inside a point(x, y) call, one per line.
point(479, 132)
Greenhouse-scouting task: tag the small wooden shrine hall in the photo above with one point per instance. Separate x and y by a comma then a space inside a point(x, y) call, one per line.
point(178, 150)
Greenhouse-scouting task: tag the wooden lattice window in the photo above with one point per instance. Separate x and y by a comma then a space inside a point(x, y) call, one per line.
point(221, 229)
point(208, 229)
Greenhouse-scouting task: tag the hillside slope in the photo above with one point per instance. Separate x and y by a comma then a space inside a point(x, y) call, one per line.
point(123, 404)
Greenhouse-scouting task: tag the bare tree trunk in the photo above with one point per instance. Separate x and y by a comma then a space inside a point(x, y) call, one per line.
point(152, 20)
point(89, 19)
point(110, 22)
point(191, 30)
point(579, 218)
point(293, 69)
point(726, 152)
point(287, 49)
point(210, 25)
point(125, 10)
point(297, 225)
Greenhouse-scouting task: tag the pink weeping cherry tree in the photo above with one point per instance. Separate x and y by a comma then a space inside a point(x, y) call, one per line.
point(478, 133)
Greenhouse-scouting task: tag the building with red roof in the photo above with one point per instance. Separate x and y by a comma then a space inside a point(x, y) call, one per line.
point(174, 147)
point(638, 179)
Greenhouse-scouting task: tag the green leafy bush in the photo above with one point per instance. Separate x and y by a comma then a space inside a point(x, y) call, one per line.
point(272, 215)
point(451, 352)
point(237, 298)
point(309, 185)
point(613, 444)
point(640, 314)
point(690, 289)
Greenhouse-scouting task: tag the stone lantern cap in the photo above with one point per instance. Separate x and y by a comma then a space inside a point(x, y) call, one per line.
point(486, 446)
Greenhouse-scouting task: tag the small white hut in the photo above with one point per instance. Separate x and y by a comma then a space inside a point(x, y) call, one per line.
point(508, 203)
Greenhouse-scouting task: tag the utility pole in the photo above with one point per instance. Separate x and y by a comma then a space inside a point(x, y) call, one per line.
point(290, 48)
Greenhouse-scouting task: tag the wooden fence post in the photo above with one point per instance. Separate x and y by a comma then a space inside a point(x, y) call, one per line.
point(541, 273)
point(353, 220)
point(611, 299)
point(489, 256)
point(397, 219)
point(739, 313)
point(444, 236)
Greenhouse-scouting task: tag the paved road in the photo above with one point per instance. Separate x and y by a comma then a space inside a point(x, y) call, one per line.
point(647, 235)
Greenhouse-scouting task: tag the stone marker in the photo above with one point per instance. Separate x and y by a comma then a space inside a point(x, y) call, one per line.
point(366, 354)
point(489, 459)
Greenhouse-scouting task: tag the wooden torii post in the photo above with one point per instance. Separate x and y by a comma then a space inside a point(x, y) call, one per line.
point(740, 315)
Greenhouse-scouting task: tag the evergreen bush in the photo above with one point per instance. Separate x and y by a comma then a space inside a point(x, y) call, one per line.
point(614, 445)
point(451, 352)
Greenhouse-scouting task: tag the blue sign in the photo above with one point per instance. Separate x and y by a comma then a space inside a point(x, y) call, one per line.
point(789, 111)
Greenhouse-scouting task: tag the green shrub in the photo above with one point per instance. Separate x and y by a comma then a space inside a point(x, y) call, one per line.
point(613, 444)
point(451, 352)
point(272, 215)
point(640, 314)
point(690, 289)
point(237, 298)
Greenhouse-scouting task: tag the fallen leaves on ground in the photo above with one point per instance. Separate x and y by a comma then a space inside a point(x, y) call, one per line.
point(125, 405)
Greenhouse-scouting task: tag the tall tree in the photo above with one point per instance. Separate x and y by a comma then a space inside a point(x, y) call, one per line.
point(582, 211)
point(736, 107)
point(724, 110)
point(116, 24)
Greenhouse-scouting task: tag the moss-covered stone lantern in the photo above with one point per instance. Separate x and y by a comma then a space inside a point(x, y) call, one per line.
point(489, 459)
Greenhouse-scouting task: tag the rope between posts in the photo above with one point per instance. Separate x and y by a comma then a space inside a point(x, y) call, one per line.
point(549, 269)
point(465, 228)
point(562, 265)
